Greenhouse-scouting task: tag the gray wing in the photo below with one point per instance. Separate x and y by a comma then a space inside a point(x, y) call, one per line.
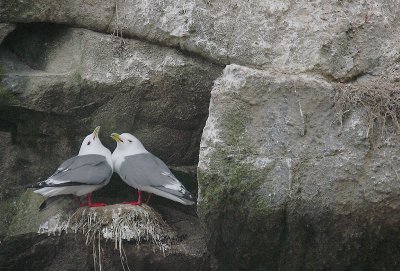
point(146, 170)
point(91, 169)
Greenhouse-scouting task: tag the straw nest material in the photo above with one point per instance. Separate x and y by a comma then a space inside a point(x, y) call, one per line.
point(115, 222)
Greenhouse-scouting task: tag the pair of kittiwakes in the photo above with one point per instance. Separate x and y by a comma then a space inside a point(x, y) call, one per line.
point(92, 168)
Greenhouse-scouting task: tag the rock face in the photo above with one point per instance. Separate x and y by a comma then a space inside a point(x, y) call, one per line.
point(292, 193)
point(282, 185)
point(57, 83)
point(5, 29)
point(89, 78)
point(31, 251)
point(341, 39)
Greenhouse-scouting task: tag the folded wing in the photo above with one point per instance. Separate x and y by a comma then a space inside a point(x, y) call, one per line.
point(89, 169)
point(148, 173)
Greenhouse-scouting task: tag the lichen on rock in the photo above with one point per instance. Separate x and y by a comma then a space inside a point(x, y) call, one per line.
point(275, 176)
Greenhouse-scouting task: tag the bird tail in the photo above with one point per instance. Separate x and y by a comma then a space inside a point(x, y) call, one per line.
point(38, 184)
point(31, 185)
point(183, 197)
point(188, 198)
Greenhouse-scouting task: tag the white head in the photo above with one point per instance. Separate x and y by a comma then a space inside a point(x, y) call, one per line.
point(127, 144)
point(92, 145)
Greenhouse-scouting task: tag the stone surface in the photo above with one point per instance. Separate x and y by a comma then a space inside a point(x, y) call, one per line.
point(5, 29)
point(58, 83)
point(282, 186)
point(53, 249)
point(341, 39)
point(29, 252)
point(290, 191)
point(91, 79)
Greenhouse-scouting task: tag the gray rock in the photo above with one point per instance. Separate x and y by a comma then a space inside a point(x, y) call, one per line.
point(58, 83)
point(67, 78)
point(160, 237)
point(279, 188)
point(5, 29)
point(282, 186)
point(71, 252)
point(342, 39)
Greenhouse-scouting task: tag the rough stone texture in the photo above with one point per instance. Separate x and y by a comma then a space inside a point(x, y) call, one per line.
point(23, 249)
point(5, 29)
point(28, 218)
point(341, 39)
point(93, 79)
point(58, 83)
point(281, 185)
point(33, 252)
point(290, 192)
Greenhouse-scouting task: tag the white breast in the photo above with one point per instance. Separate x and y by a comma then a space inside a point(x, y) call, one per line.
point(117, 161)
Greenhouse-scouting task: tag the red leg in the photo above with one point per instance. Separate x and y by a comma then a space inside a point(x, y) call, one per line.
point(138, 202)
point(90, 204)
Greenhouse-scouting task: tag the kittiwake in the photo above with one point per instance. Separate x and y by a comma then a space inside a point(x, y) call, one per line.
point(145, 172)
point(90, 170)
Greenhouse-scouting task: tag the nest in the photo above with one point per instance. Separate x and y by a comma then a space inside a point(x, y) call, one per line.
point(380, 98)
point(115, 222)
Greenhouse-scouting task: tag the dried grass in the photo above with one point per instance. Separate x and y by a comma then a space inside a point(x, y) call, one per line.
point(380, 98)
point(117, 223)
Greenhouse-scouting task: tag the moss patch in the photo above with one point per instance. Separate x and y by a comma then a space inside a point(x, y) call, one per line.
point(27, 218)
point(235, 211)
point(7, 212)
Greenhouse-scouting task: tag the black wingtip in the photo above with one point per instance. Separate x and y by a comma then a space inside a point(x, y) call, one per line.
point(32, 185)
point(39, 184)
point(187, 196)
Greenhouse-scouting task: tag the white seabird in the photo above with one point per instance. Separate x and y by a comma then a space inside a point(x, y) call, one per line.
point(90, 170)
point(145, 172)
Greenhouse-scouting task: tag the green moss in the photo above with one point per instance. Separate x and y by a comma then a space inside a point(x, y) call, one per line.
point(229, 159)
point(27, 217)
point(234, 129)
point(229, 177)
point(7, 211)
point(231, 182)
point(77, 77)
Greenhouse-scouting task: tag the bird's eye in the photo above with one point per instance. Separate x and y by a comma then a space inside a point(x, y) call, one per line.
point(88, 143)
point(129, 140)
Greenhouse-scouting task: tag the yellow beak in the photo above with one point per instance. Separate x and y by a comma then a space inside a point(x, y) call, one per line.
point(96, 132)
point(116, 137)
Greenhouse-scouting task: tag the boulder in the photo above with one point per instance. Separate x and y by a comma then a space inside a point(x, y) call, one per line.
point(96, 238)
point(165, 236)
point(57, 83)
point(60, 82)
point(340, 39)
point(283, 187)
point(287, 181)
